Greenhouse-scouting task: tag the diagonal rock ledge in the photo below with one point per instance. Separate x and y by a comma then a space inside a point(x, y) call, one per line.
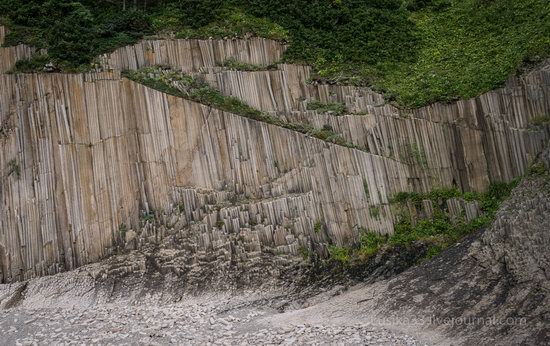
point(83, 156)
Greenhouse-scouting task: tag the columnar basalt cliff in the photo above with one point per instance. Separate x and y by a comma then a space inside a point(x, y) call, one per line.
point(87, 158)
point(3, 32)
point(10, 55)
point(485, 139)
point(193, 55)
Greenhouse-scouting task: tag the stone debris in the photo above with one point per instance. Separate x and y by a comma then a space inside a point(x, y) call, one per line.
point(188, 323)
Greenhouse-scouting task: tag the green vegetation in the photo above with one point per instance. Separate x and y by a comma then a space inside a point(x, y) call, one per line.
point(35, 63)
point(231, 22)
point(469, 47)
point(369, 244)
point(234, 64)
point(13, 168)
point(304, 252)
point(178, 84)
point(122, 229)
point(335, 108)
point(538, 170)
point(339, 254)
point(148, 216)
point(374, 211)
point(437, 233)
point(415, 51)
point(366, 187)
point(419, 155)
point(317, 227)
point(73, 32)
point(541, 120)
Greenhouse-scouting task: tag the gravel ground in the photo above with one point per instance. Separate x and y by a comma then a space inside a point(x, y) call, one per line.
point(198, 321)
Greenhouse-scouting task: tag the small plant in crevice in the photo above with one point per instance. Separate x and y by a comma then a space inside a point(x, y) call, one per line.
point(148, 216)
point(374, 211)
point(6, 126)
point(181, 207)
point(540, 120)
point(339, 254)
point(304, 252)
point(122, 229)
point(317, 226)
point(366, 187)
point(419, 155)
point(234, 64)
point(334, 108)
point(13, 168)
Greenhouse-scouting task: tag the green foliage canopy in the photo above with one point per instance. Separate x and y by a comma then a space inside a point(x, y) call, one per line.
point(414, 51)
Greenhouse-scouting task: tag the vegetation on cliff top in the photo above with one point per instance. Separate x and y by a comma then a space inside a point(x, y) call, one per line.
point(415, 51)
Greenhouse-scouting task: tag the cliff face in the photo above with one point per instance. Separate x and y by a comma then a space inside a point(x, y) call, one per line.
point(471, 143)
point(85, 159)
point(193, 55)
point(10, 55)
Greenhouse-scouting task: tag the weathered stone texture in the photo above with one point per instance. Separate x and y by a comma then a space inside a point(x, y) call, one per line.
point(83, 155)
point(193, 55)
point(3, 32)
point(476, 141)
point(10, 55)
point(91, 155)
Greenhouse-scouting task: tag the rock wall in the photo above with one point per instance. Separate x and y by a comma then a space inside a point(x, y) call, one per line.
point(85, 160)
point(84, 156)
point(477, 141)
point(3, 32)
point(10, 55)
point(192, 55)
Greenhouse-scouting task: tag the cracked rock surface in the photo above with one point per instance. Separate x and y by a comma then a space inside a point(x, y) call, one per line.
point(212, 319)
point(500, 274)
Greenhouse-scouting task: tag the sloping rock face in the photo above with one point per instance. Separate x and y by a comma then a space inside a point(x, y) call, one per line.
point(87, 158)
point(492, 288)
point(471, 142)
point(90, 155)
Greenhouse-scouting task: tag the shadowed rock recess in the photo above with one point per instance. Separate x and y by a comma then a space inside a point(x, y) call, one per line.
point(151, 196)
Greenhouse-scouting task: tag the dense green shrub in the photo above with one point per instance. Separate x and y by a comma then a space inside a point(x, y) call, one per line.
point(36, 63)
point(415, 51)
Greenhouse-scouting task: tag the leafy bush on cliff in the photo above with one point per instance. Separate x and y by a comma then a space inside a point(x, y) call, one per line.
point(415, 51)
